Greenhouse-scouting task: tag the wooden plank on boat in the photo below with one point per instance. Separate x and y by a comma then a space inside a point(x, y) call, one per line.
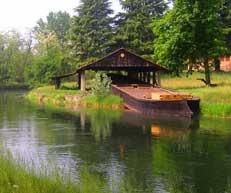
point(171, 97)
point(186, 96)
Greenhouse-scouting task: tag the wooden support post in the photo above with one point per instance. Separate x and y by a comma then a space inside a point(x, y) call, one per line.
point(145, 77)
point(79, 80)
point(149, 78)
point(83, 81)
point(154, 78)
point(158, 78)
point(57, 82)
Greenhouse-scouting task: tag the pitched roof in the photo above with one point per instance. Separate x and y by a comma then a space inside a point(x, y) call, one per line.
point(119, 60)
point(122, 59)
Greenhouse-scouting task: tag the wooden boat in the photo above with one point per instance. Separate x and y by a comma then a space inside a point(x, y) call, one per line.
point(156, 101)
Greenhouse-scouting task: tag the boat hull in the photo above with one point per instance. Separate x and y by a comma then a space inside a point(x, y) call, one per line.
point(177, 108)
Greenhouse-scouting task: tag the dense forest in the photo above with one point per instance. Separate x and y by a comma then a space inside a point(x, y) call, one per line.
point(174, 34)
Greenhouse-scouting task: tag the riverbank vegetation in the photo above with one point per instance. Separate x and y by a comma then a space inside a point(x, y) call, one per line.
point(70, 96)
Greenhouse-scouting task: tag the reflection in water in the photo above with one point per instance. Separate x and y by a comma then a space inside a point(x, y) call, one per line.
point(132, 152)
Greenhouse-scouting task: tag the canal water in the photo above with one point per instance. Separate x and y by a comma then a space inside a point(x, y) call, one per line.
point(153, 155)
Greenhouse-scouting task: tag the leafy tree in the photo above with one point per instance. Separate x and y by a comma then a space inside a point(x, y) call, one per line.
point(91, 30)
point(57, 22)
point(225, 19)
point(15, 56)
point(189, 33)
point(51, 50)
point(134, 25)
point(48, 59)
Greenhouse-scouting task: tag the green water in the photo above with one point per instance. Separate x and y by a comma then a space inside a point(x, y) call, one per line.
point(145, 155)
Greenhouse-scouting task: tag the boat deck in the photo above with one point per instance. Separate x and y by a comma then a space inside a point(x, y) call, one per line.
point(144, 91)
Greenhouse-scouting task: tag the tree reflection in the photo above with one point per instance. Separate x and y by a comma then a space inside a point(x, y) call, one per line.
point(194, 163)
point(101, 123)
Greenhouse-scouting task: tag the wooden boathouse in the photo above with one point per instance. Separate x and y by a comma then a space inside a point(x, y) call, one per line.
point(138, 82)
point(122, 60)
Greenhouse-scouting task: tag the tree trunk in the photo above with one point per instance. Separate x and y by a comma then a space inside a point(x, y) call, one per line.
point(207, 72)
point(217, 64)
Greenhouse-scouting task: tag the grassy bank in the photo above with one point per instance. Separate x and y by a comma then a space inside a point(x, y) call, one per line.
point(215, 101)
point(16, 178)
point(68, 95)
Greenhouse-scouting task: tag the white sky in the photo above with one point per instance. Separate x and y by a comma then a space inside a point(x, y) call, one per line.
point(23, 14)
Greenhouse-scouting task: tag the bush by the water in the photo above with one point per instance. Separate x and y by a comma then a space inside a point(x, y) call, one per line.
point(102, 85)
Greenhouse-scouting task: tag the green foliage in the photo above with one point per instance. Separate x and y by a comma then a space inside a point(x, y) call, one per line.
point(50, 52)
point(102, 85)
point(15, 56)
point(35, 57)
point(91, 30)
point(169, 45)
point(188, 34)
point(103, 101)
point(69, 94)
point(225, 19)
point(48, 60)
point(134, 29)
point(57, 22)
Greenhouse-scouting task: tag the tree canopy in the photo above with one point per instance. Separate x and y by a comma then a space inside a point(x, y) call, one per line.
point(91, 30)
point(134, 30)
point(57, 22)
point(188, 34)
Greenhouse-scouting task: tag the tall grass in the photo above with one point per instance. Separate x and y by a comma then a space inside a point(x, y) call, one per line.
point(16, 178)
point(105, 102)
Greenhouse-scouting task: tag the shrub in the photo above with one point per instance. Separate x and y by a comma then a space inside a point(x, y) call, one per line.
point(102, 86)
